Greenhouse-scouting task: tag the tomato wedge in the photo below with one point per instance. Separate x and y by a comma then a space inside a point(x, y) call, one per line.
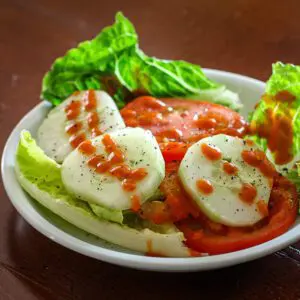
point(182, 120)
point(283, 207)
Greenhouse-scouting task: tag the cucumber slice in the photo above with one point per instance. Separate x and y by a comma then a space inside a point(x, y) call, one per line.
point(52, 136)
point(140, 150)
point(224, 205)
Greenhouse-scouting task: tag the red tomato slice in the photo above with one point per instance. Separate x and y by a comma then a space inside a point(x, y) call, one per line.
point(173, 151)
point(177, 205)
point(283, 207)
point(182, 120)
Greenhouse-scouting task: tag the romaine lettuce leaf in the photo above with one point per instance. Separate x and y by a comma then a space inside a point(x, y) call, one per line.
point(293, 175)
point(160, 78)
point(260, 142)
point(87, 66)
point(113, 215)
point(281, 102)
point(113, 62)
point(43, 172)
point(285, 77)
point(140, 73)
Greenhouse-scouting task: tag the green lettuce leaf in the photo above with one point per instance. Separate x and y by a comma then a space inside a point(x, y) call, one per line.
point(262, 143)
point(142, 74)
point(113, 62)
point(285, 77)
point(284, 81)
point(113, 215)
point(160, 78)
point(42, 171)
point(293, 175)
point(87, 66)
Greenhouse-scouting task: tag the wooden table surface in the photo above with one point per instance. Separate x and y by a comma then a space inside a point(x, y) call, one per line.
point(242, 36)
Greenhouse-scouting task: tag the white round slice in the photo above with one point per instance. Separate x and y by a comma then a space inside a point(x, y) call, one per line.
point(140, 150)
point(224, 205)
point(52, 136)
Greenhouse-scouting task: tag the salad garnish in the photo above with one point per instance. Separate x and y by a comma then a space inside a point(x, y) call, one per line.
point(152, 155)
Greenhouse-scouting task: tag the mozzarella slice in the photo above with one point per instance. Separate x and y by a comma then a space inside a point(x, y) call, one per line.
point(52, 135)
point(223, 204)
point(140, 150)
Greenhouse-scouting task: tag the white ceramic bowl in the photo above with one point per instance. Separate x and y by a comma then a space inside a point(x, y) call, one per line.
point(69, 236)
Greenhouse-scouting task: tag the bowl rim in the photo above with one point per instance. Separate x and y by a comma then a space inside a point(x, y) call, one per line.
point(26, 210)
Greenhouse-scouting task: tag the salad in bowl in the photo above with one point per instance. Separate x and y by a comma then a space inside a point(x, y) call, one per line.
point(154, 156)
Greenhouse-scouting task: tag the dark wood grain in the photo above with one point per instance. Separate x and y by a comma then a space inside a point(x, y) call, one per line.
point(243, 36)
